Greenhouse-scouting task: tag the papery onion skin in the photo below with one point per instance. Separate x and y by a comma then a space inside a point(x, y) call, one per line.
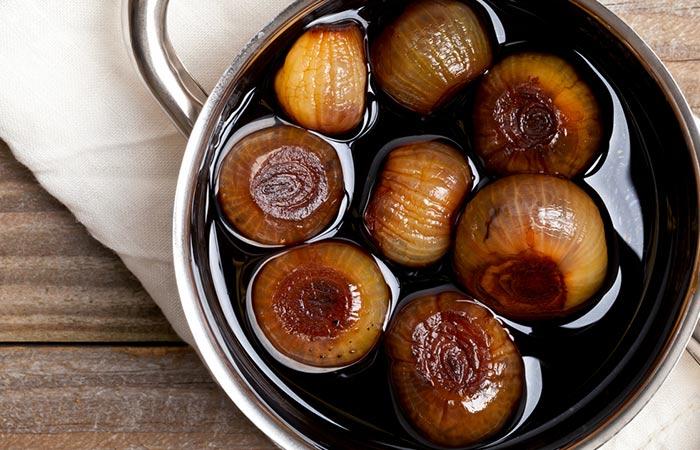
point(534, 114)
point(281, 185)
point(531, 247)
point(322, 304)
point(457, 375)
point(323, 83)
point(418, 192)
point(430, 52)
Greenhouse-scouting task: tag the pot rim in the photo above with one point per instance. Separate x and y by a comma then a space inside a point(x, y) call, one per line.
point(207, 337)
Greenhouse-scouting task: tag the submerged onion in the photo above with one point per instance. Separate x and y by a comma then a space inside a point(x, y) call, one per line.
point(322, 304)
point(534, 114)
point(531, 247)
point(457, 375)
point(281, 185)
point(410, 213)
point(430, 52)
point(322, 84)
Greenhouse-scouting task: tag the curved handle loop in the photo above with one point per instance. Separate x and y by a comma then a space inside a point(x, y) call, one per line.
point(146, 35)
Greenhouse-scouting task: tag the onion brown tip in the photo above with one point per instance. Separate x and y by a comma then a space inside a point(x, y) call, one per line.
point(457, 375)
point(531, 247)
point(534, 114)
point(321, 305)
point(281, 185)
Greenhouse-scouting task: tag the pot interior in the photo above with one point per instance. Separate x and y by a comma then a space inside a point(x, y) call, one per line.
point(579, 372)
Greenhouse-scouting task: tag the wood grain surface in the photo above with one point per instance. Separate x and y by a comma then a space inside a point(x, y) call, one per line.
point(57, 284)
point(115, 397)
point(63, 297)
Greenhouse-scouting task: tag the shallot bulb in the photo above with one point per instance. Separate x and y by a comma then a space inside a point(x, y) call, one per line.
point(457, 375)
point(535, 114)
point(531, 247)
point(321, 305)
point(322, 84)
point(412, 208)
point(281, 185)
point(430, 52)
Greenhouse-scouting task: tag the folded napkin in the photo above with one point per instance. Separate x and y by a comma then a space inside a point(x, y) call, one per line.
point(74, 110)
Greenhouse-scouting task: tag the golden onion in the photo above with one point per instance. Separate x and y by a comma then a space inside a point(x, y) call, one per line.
point(456, 373)
point(534, 114)
point(531, 247)
point(322, 84)
point(410, 212)
point(430, 52)
point(322, 304)
point(281, 185)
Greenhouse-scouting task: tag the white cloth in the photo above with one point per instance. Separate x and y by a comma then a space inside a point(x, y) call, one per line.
point(74, 110)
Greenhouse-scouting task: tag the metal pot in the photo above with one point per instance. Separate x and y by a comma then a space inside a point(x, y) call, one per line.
point(667, 313)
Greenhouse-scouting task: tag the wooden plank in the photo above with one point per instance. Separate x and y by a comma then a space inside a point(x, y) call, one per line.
point(671, 28)
point(45, 233)
point(105, 440)
point(687, 75)
point(70, 313)
point(58, 284)
point(115, 397)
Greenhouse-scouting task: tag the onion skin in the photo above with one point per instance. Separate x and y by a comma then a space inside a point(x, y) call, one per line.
point(430, 52)
point(323, 83)
point(322, 304)
point(534, 114)
point(456, 373)
point(281, 185)
point(410, 213)
point(531, 247)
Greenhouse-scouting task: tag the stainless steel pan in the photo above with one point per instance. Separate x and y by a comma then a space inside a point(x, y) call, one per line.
point(197, 115)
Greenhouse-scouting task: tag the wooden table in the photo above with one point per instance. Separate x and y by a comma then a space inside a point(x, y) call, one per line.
point(87, 360)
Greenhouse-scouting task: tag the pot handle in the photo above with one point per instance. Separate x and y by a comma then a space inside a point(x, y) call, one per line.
point(146, 34)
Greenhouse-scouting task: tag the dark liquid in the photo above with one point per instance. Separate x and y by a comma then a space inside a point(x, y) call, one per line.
point(564, 360)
